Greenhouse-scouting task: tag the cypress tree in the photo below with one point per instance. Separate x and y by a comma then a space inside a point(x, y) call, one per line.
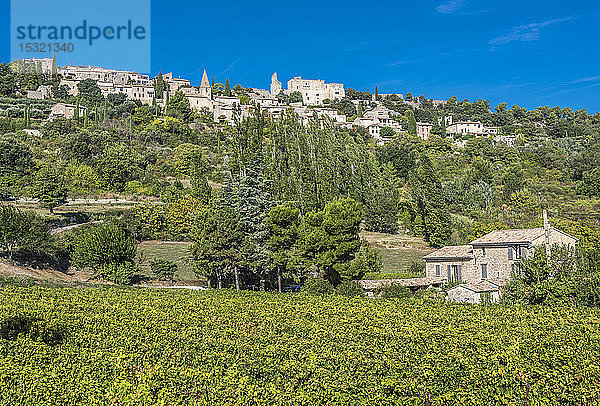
point(54, 69)
point(227, 90)
point(76, 112)
point(412, 122)
point(159, 86)
point(85, 119)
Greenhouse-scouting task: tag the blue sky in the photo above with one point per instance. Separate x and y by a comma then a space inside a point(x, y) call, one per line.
point(528, 53)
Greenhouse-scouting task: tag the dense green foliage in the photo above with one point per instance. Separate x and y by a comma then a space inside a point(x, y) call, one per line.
point(106, 249)
point(180, 162)
point(133, 346)
point(569, 277)
point(23, 234)
point(163, 269)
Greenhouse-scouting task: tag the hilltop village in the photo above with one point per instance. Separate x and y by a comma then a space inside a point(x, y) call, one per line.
point(314, 180)
point(306, 97)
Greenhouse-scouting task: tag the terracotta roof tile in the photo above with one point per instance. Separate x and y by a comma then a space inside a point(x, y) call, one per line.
point(451, 251)
point(510, 236)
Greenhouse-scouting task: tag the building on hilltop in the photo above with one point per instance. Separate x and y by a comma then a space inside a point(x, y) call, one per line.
point(175, 83)
point(469, 128)
point(275, 85)
point(315, 91)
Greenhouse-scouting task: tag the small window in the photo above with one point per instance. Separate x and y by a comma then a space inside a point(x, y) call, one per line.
point(510, 253)
point(483, 251)
point(438, 271)
point(484, 273)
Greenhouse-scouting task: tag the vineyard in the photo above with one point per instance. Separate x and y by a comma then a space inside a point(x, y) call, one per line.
point(103, 346)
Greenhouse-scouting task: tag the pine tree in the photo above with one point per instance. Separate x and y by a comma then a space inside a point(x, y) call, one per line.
point(249, 197)
point(283, 224)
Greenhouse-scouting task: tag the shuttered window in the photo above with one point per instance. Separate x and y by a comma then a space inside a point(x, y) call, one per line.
point(510, 252)
point(438, 271)
point(484, 274)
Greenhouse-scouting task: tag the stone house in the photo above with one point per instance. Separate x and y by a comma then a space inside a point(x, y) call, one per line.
point(492, 257)
point(63, 110)
point(470, 127)
point(474, 293)
point(313, 91)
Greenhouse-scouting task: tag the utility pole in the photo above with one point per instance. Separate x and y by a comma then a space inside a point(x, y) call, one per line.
point(546, 234)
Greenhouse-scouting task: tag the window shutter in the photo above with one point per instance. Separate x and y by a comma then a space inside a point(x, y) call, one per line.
point(449, 273)
point(437, 270)
point(510, 252)
point(484, 271)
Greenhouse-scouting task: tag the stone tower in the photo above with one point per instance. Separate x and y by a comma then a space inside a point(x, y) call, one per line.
point(275, 85)
point(205, 88)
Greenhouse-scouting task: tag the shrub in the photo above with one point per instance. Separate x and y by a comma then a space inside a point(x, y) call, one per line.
point(318, 286)
point(163, 269)
point(108, 250)
point(350, 289)
point(417, 268)
point(395, 290)
point(119, 273)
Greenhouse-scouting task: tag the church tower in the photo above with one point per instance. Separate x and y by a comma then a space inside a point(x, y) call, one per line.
point(275, 85)
point(205, 88)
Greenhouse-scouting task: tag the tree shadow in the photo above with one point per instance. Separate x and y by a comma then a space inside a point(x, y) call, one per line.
point(37, 329)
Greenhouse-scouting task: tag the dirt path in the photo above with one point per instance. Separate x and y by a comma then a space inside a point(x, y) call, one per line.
point(9, 270)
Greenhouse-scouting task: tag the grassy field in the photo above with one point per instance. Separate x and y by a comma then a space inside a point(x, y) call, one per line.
point(117, 346)
point(398, 252)
point(173, 251)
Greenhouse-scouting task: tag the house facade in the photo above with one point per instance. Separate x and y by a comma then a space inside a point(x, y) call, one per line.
point(424, 130)
point(63, 110)
point(493, 256)
point(472, 128)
